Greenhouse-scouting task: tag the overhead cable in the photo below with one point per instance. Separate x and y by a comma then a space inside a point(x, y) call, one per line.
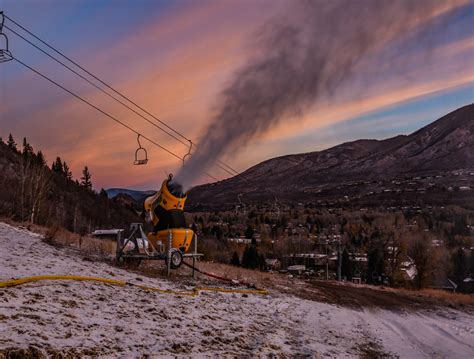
point(102, 111)
point(175, 133)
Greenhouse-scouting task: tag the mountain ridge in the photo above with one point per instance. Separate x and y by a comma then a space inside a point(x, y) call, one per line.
point(444, 145)
point(435, 150)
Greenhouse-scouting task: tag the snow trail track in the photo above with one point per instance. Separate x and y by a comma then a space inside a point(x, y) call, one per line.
point(95, 319)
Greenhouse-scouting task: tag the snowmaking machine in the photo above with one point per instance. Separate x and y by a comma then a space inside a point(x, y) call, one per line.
point(169, 239)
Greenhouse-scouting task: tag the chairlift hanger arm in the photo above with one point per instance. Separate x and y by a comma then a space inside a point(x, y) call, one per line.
point(189, 151)
point(140, 149)
point(5, 54)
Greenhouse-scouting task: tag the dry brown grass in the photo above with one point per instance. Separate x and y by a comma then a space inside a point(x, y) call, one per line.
point(449, 297)
point(154, 268)
point(237, 273)
point(60, 237)
point(436, 294)
point(32, 227)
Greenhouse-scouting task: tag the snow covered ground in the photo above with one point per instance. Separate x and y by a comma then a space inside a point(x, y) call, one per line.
point(94, 319)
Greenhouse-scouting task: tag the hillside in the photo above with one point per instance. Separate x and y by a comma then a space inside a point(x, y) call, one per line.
point(30, 191)
point(89, 319)
point(419, 166)
point(138, 196)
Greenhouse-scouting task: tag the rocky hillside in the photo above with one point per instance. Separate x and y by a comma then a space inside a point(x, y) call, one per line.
point(433, 163)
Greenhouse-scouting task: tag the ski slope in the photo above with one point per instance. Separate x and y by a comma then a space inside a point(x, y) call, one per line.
point(100, 320)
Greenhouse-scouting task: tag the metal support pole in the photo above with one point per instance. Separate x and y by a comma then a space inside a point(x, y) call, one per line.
point(327, 261)
point(195, 252)
point(339, 260)
point(168, 267)
point(119, 243)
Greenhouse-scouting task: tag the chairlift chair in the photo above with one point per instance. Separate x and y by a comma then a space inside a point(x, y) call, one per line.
point(5, 54)
point(189, 151)
point(141, 155)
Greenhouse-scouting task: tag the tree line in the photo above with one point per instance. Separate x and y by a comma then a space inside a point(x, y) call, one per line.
point(34, 192)
point(58, 166)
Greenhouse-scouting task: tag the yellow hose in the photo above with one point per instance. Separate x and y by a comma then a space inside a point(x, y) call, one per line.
point(193, 293)
point(15, 282)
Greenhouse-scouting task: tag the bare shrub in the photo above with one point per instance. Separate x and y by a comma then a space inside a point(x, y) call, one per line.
point(61, 237)
point(51, 234)
point(103, 248)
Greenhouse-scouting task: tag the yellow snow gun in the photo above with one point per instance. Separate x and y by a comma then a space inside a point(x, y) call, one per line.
point(165, 211)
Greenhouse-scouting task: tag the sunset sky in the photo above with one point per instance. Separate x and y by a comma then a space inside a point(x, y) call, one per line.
point(175, 57)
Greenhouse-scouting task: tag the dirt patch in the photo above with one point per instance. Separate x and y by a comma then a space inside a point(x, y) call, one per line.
point(33, 352)
point(365, 296)
point(332, 292)
point(22, 353)
point(372, 350)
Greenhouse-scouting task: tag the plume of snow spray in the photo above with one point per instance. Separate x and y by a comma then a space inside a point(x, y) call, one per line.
point(300, 58)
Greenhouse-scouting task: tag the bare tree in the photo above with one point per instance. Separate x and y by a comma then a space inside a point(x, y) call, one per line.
point(40, 182)
point(34, 181)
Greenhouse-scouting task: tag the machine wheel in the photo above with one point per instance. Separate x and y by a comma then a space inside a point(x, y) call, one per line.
point(128, 263)
point(176, 259)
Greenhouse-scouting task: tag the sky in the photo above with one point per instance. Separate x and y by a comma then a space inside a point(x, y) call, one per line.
point(174, 58)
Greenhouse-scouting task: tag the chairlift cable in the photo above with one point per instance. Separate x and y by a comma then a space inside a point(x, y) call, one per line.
point(90, 74)
point(93, 84)
point(102, 111)
point(222, 164)
point(108, 94)
point(115, 98)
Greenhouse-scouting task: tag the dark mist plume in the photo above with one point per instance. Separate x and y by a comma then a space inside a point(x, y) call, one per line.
point(301, 58)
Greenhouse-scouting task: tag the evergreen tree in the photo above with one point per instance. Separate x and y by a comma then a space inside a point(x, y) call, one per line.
point(103, 194)
point(57, 166)
point(250, 259)
point(11, 143)
point(460, 226)
point(40, 158)
point(66, 171)
point(471, 264)
point(460, 266)
point(249, 232)
point(346, 265)
point(235, 260)
point(27, 149)
point(217, 231)
point(375, 261)
point(86, 181)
